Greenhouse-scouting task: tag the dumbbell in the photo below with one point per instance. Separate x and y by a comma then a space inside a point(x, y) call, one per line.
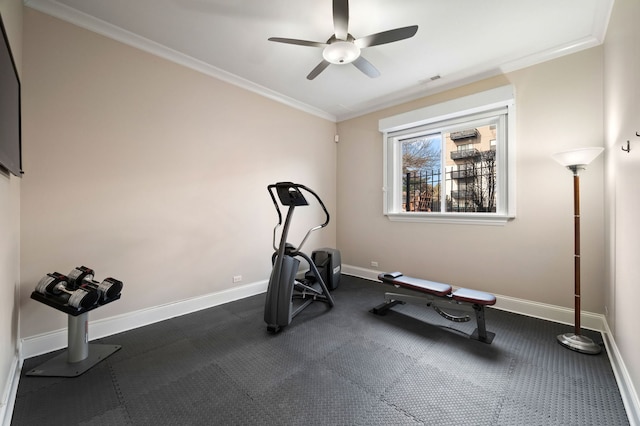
point(82, 277)
point(78, 275)
point(55, 284)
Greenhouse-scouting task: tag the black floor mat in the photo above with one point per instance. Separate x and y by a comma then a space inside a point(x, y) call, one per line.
point(340, 366)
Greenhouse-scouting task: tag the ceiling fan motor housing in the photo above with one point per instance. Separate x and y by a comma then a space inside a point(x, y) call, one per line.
point(341, 52)
point(343, 48)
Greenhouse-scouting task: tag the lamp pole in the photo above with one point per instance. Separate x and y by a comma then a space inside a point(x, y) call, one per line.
point(576, 251)
point(576, 160)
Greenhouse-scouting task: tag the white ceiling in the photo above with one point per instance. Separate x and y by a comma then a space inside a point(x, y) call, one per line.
point(459, 40)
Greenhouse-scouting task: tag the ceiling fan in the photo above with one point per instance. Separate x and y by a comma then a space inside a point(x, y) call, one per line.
point(343, 48)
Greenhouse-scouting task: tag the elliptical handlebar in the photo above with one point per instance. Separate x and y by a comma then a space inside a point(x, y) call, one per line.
point(289, 195)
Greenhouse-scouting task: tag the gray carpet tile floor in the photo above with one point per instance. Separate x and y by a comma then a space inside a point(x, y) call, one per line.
point(339, 366)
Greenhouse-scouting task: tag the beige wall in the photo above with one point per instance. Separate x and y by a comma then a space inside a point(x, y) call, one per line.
point(156, 174)
point(11, 11)
point(152, 173)
point(622, 89)
point(558, 106)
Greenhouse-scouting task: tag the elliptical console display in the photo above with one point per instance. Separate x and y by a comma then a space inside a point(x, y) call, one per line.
point(288, 295)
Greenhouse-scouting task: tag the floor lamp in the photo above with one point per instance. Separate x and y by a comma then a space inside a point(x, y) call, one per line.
point(576, 160)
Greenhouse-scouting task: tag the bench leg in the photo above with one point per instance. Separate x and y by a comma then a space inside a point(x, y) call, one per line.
point(382, 308)
point(481, 332)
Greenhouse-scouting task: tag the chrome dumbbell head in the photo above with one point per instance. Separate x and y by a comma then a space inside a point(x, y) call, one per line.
point(82, 298)
point(78, 275)
point(110, 287)
point(50, 282)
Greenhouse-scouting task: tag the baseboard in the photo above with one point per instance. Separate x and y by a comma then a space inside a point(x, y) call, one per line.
point(51, 341)
point(627, 390)
point(47, 342)
point(9, 393)
point(559, 314)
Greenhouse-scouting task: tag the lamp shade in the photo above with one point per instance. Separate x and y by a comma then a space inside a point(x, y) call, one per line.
point(577, 157)
point(341, 52)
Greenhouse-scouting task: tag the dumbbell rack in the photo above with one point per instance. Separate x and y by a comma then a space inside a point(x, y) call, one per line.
point(80, 355)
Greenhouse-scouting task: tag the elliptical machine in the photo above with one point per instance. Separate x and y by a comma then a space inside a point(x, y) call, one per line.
point(284, 288)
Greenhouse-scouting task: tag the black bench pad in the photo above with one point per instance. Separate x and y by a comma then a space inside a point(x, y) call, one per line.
point(473, 296)
point(438, 289)
point(423, 286)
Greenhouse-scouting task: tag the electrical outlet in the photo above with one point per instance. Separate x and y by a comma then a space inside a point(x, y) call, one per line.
point(237, 278)
point(606, 311)
point(374, 263)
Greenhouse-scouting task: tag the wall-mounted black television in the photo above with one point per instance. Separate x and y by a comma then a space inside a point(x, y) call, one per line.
point(10, 127)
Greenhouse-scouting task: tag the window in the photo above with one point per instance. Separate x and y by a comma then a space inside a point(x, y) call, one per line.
point(452, 162)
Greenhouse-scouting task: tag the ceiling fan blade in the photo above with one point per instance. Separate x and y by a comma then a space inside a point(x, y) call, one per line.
point(318, 69)
point(366, 67)
point(298, 42)
point(341, 18)
point(386, 37)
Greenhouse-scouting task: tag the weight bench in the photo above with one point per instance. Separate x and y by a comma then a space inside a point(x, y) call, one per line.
point(438, 296)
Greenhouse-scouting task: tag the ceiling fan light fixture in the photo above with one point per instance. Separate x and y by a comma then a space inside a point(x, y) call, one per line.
point(342, 48)
point(341, 52)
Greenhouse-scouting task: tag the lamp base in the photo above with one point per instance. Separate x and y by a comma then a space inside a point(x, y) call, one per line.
point(579, 343)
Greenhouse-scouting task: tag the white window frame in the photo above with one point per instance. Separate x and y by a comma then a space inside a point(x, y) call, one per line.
point(497, 101)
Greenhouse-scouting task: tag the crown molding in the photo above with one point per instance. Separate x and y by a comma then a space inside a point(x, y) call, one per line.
point(470, 76)
point(88, 22)
point(83, 20)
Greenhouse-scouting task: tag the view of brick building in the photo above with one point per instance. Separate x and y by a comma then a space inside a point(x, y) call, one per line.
point(469, 176)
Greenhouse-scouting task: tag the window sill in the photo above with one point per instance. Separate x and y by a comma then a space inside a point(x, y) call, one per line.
point(455, 218)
